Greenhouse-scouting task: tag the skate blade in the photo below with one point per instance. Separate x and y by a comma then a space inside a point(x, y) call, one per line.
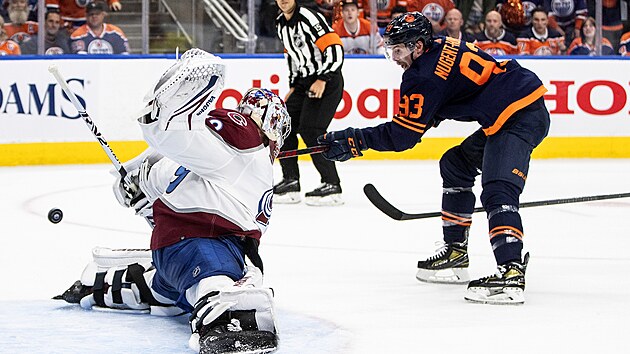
point(287, 198)
point(444, 276)
point(505, 296)
point(329, 200)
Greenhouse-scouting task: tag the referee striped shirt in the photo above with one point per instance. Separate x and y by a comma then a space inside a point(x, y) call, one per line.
point(311, 47)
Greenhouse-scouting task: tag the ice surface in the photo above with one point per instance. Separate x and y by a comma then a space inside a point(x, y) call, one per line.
point(343, 277)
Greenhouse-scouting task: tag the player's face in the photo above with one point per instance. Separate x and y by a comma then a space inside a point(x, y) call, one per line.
point(400, 54)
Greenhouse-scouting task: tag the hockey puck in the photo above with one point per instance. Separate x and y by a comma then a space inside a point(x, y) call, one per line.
point(55, 215)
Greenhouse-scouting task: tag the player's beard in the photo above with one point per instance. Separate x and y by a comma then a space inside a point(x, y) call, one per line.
point(18, 16)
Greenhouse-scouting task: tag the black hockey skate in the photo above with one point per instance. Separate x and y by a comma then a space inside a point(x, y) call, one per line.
point(287, 192)
point(75, 293)
point(327, 194)
point(506, 287)
point(449, 265)
point(235, 332)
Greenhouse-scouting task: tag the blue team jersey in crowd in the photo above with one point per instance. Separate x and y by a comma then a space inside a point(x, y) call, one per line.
point(455, 80)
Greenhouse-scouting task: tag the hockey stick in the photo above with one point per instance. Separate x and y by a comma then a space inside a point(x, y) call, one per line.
point(308, 151)
point(54, 70)
point(386, 207)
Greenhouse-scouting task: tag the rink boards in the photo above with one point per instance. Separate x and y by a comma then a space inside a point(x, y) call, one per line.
point(588, 100)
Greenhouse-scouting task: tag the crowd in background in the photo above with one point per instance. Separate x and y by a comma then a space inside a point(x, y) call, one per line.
point(70, 27)
point(499, 27)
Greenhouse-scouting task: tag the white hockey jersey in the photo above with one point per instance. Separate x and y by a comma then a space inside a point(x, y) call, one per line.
point(215, 181)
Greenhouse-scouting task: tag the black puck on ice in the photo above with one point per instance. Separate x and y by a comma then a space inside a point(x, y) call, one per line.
point(55, 215)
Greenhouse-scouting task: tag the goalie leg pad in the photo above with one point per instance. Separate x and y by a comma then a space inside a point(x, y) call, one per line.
point(238, 315)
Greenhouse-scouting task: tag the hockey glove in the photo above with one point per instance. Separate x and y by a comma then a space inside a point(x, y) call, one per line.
point(343, 144)
point(128, 191)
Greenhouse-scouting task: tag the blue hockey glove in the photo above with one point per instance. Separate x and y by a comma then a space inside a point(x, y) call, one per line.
point(343, 144)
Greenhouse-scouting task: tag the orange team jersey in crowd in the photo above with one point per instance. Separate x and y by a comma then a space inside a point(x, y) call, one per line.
point(21, 33)
point(434, 10)
point(357, 43)
point(71, 10)
point(111, 41)
point(578, 47)
point(503, 45)
point(9, 47)
point(530, 43)
point(624, 45)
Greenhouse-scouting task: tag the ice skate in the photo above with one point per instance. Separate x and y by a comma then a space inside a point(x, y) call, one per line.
point(287, 192)
point(506, 287)
point(449, 265)
point(327, 194)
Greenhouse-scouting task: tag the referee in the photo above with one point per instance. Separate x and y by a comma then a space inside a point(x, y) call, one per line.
point(315, 55)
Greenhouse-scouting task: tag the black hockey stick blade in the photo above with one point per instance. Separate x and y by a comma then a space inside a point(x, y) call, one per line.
point(388, 209)
point(308, 151)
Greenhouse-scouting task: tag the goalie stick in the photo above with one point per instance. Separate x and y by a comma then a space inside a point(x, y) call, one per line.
point(386, 207)
point(54, 70)
point(308, 151)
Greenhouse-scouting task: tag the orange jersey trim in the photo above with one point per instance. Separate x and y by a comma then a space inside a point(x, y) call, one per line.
point(327, 40)
point(416, 127)
point(513, 108)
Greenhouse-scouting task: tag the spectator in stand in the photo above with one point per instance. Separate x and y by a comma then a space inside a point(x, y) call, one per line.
point(567, 17)
point(584, 44)
point(326, 8)
point(474, 12)
point(355, 31)
point(494, 39)
point(20, 30)
point(522, 9)
point(434, 10)
point(73, 11)
point(624, 45)
point(96, 36)
point(612, 26)
point(7, 46)
point(32, 10)
point(56, 40)
point(454, 27)
point(539, 39)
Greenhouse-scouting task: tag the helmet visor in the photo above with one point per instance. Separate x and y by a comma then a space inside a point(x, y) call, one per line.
point(398, 52)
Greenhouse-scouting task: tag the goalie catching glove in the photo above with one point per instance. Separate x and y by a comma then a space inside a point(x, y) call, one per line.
point(343, 145)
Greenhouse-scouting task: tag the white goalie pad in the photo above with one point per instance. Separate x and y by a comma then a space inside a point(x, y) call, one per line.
point(121, 280)
point(186, 91)
point(244, 295)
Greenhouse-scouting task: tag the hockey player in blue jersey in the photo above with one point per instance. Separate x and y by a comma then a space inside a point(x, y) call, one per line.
point(446, 78)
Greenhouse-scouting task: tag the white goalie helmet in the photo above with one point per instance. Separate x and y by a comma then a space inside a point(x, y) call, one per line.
point(187, 89)
point(268, 111)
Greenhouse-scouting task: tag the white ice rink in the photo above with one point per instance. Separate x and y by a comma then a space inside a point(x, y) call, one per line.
point(344, 277)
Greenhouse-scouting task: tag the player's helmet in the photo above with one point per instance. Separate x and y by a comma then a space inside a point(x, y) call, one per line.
point(409, 28)
point(268, 111)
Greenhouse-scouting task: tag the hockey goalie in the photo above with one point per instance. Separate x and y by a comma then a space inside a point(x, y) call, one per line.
point(206, 185)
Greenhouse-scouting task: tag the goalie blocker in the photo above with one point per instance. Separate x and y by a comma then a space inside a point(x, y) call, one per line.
point(228, 316)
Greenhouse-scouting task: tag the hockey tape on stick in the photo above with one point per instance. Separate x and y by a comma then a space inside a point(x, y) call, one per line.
point(388, 209)
point(308, 151)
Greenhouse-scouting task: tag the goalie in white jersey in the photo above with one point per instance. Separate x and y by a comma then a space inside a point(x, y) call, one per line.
point(206, 182)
